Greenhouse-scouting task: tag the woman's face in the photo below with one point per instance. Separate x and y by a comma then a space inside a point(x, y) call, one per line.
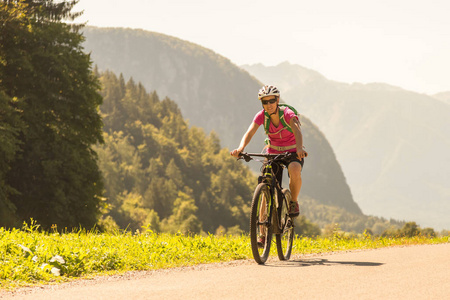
point(270, 104)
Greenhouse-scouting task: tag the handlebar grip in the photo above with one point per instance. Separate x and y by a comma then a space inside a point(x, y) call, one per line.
point(245, 157)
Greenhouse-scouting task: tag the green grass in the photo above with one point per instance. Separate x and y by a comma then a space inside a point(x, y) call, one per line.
point(30, 256)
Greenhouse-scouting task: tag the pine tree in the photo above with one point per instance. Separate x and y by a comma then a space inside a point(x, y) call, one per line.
point(44, 69)
point(9, 145)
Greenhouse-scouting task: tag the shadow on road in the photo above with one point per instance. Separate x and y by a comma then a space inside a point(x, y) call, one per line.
point(320, 262)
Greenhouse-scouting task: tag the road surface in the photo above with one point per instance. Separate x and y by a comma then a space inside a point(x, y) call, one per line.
point(412, 272)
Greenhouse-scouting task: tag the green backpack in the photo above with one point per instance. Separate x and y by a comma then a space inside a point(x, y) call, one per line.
point(282, 107)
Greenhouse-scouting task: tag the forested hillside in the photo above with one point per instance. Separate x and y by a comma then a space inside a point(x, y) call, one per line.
point(158, 172)
point(214, 94)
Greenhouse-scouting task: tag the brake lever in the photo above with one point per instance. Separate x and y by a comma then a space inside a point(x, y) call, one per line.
point(244, 157)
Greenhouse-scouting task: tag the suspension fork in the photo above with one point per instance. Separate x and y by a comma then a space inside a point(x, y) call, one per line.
point(274, 204)
point(267, 178)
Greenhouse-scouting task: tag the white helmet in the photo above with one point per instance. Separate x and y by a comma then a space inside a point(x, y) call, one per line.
point(268, 90)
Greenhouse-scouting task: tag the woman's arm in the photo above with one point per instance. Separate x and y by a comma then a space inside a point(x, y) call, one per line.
point(295, 125)
point(245, 139)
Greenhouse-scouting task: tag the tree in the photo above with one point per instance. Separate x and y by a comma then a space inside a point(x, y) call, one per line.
point(183, 218)
point(410, 229)
point(9, 145)
point(305, 228)
point(428, 232)
point(112, 110)
point(50, 85)
point(136, 216)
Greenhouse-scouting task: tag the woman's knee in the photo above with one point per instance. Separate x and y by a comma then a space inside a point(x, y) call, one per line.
point(295, 170)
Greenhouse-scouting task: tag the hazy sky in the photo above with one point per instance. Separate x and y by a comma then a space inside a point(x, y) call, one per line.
point(405, 43)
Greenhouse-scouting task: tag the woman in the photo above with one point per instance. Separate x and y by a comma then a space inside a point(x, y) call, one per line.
point(284, 136)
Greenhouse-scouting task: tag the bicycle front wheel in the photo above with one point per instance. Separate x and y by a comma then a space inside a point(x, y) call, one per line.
point(260, 229)
point(286, 238)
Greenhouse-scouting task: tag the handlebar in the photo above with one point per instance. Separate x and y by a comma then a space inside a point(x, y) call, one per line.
point(249, 156)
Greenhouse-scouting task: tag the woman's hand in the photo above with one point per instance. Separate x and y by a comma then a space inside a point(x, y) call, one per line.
point(236, 152)
point(302, 154)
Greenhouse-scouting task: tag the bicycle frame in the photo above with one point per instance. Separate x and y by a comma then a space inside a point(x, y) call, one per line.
point(269, 177)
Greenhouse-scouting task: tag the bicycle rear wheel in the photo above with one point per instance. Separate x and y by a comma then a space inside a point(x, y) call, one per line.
point(286, 238)
point(259, 224)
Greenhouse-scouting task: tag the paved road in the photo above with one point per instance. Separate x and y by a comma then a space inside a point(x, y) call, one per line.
point(414, 272)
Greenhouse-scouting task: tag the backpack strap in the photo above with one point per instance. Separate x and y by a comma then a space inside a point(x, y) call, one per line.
point(266, 122)
point(281, 109)
point(282, 120)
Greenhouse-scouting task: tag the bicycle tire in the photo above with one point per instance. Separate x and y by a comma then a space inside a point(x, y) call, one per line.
point(260, 254)
point(285, 239)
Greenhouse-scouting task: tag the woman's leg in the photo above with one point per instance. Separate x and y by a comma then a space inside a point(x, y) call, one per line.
point(295, 179)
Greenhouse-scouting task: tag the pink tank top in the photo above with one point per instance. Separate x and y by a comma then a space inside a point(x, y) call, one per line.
point(281, 138)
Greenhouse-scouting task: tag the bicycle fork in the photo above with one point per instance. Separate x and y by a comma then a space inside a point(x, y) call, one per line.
point(264, 220)
point(268, 214)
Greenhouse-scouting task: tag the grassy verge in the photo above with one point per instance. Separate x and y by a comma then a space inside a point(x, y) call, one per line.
point(29, 256)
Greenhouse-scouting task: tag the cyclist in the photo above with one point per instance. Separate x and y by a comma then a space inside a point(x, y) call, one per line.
point(280, 138)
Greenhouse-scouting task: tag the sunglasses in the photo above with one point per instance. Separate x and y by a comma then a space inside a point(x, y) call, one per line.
point(271, 101)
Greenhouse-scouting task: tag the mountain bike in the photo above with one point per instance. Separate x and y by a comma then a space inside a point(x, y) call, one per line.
point(270, 208)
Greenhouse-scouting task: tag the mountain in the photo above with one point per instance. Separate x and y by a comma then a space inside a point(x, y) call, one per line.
point(393, 145)
point(214, 94)
point(444, 97)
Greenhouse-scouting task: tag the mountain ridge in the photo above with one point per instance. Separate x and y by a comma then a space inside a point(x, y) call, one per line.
point(390, 142)
point(443, 96)
point(212, 93)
